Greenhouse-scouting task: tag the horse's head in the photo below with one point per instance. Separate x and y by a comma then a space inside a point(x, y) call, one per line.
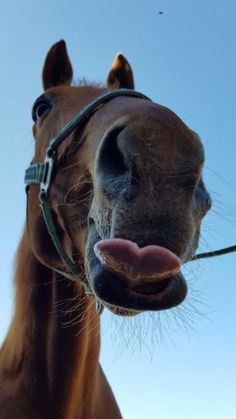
point(127, 193)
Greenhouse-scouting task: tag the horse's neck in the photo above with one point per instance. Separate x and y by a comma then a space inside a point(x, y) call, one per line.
point(51, 351)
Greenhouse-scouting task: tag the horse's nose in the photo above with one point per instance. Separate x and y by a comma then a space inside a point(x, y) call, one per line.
point(115, 170)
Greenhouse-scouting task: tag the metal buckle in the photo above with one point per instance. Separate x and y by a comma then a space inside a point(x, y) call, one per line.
point(49, 163)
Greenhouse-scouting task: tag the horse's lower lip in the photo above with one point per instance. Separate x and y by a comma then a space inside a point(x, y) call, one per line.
point(116, 290)
point(151, 288)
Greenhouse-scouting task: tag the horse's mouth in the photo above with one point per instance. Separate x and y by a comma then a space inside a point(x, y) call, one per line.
point(128, 279)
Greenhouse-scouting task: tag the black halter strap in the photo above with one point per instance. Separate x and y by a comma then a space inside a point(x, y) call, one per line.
point(41, 174)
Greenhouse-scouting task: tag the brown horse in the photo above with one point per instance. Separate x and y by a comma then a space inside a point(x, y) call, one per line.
point(127, 199)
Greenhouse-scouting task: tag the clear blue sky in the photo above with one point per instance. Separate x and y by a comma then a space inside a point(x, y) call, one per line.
point(186, 60)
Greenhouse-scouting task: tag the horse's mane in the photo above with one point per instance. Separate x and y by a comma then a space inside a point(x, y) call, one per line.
point(84, 82)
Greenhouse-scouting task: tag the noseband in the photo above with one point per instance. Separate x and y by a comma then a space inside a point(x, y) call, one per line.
point(41, 174)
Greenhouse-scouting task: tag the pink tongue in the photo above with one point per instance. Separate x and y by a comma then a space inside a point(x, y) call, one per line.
point(126, 258)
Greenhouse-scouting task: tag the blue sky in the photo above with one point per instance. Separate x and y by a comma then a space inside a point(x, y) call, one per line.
point(160, 367)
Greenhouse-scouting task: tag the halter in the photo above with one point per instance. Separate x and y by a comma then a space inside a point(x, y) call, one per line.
point(41, 174)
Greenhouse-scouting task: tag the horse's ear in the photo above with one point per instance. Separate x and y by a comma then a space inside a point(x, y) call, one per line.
point(57, 69)
point(121, 74)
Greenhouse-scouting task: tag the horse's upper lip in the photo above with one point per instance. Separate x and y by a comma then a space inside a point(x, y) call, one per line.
point(150, 263)
point(146, 271)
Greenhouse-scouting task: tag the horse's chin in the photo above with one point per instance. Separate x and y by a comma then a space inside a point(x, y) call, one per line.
point(126, 296)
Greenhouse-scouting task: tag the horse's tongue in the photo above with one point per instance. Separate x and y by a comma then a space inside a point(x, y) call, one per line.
point(126, 258)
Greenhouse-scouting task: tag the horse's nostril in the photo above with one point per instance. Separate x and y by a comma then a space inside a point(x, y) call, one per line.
point(114, 168)
point(111, 159)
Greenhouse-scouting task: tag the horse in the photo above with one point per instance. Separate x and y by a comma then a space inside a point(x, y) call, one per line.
point(115, 203)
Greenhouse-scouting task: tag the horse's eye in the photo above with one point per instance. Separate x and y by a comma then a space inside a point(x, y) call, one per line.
point(41, 107)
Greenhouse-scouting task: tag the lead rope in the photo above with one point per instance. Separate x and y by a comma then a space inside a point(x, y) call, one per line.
point(218, 252)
